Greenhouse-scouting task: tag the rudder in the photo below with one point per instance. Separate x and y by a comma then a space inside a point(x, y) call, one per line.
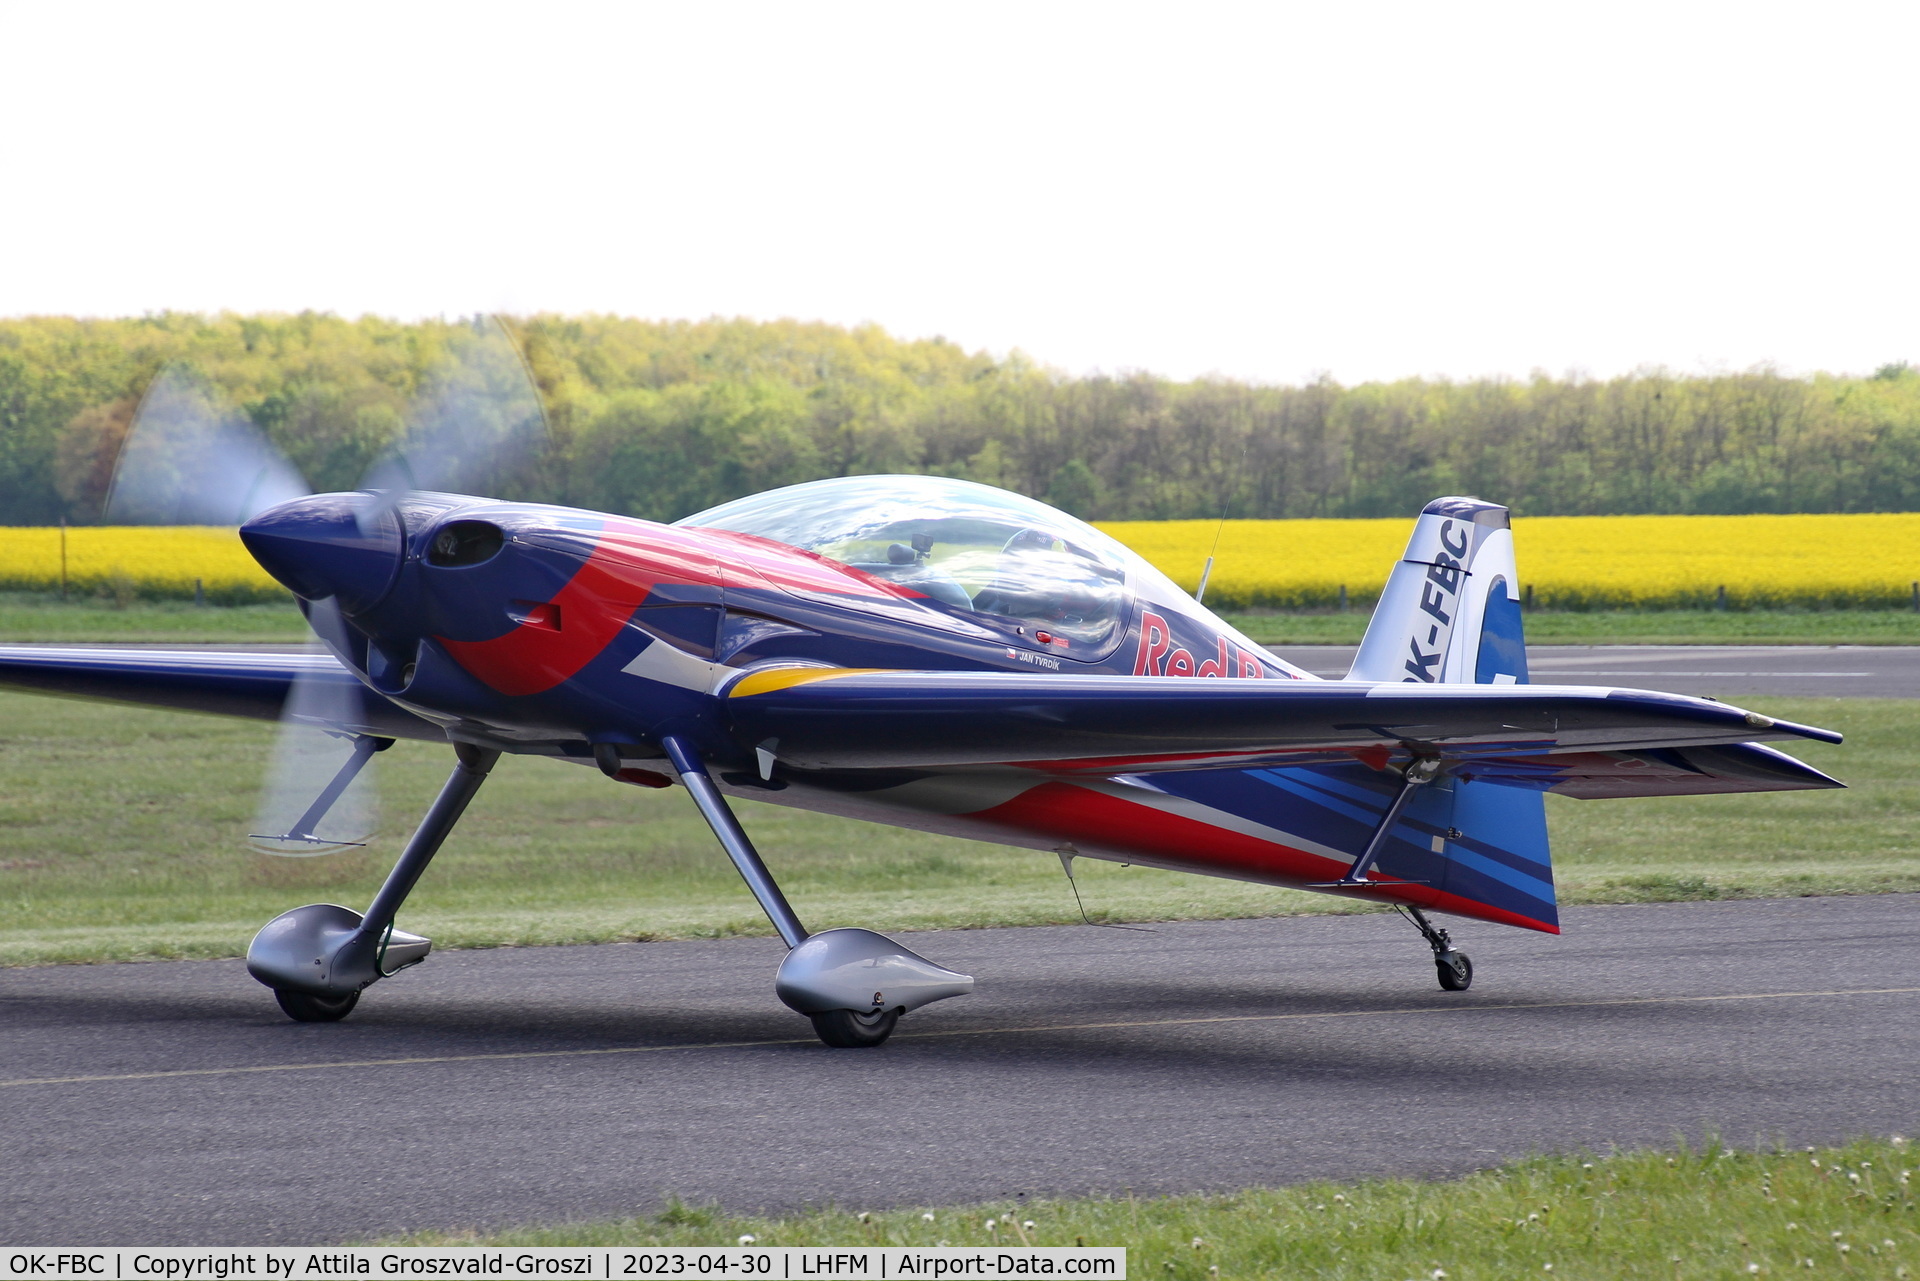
point(1451, 613)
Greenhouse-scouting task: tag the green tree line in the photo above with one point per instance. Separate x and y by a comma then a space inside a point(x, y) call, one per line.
point(661, 418)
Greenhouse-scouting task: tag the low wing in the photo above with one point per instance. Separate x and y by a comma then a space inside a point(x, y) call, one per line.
point(815, 718)
point(220, 682)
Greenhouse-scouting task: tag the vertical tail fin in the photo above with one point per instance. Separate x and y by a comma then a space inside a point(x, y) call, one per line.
point(1451, 608)
point(1451, 612)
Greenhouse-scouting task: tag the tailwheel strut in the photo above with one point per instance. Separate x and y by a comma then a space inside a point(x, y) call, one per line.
point(1455, 967)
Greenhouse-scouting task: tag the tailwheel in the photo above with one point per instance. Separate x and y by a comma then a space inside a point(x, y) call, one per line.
point(1454, 967)
point(854, 1029)
point(304, 1008)
point(1456, 970)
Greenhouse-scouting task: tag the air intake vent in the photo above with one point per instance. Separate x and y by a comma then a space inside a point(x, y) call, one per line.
point(466, 542)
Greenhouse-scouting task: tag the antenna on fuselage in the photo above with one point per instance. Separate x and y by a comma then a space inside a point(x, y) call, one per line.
point(1067, 854)
point(1226, 502)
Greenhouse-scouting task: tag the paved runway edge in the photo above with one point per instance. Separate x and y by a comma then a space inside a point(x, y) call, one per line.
point(170, 1102)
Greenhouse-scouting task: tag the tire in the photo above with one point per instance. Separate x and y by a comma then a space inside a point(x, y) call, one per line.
point(302, 1008)
point(1456, 975)
point(854, 1030)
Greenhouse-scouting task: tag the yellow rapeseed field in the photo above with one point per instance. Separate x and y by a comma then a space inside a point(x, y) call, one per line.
point(147, 561)
point(1571, 562)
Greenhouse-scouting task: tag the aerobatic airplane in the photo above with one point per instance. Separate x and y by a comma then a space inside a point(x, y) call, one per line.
point(937, 655)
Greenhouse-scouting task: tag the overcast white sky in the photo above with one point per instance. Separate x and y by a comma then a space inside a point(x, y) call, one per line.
point(1271, 191)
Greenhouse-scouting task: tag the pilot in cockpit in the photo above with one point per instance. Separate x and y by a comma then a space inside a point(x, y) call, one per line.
point(961, 546)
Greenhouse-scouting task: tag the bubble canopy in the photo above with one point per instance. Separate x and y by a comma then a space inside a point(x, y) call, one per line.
point(972, 549)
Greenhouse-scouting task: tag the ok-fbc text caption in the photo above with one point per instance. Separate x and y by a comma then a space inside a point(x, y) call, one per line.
point(677, 1263)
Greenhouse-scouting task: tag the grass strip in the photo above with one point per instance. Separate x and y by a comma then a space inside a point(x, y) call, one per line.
point(27, 617)
point(30, 617)
point(122, 837)
point(1686, 1211)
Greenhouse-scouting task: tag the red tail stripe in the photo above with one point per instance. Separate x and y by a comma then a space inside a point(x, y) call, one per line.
point(1064, 812)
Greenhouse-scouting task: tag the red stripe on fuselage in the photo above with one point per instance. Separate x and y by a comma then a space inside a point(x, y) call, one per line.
point(1070, 814)
point(628, 561)
point(752, 561)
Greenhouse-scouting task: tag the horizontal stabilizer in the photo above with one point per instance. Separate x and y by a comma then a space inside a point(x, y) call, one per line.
point(1675, 771)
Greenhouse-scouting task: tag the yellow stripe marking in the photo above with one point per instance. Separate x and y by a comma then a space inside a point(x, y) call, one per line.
point(787, 677)
point(982, 1031)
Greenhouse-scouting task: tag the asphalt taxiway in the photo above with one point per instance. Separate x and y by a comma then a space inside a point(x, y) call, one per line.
point(172, 1104)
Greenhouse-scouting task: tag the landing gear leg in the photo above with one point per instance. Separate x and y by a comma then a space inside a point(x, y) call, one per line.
point(853, 984)
point(1455, 967)
point(318, 958)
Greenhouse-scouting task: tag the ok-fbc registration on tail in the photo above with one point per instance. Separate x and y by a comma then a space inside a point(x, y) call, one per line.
point(927, 653)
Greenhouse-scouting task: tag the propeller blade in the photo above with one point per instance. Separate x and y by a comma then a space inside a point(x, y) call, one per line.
point(476, 424)
point(190, 460)
point(319, 796)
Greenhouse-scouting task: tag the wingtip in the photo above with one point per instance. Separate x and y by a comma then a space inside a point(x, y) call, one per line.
point(1811, 731)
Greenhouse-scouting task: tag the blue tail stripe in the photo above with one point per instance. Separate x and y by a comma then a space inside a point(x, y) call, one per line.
point(1367, 804)
point(1499, 862)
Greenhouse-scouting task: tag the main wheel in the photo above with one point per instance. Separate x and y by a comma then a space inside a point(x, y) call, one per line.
point(853, 1030)
point(1456, 971)
point(302, 1008)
